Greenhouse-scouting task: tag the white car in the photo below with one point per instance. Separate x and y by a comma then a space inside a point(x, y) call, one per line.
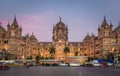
point(74, 64)
point(109, 64)
point(96, 64)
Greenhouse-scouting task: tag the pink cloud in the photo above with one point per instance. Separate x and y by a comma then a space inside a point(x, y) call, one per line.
point(39, 24)
point(36, 23)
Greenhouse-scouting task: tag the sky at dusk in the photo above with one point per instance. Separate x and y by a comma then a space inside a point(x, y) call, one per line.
point(39, 16)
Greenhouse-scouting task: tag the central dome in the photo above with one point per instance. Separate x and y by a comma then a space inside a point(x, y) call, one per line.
point(60, 24)
point(33, 37)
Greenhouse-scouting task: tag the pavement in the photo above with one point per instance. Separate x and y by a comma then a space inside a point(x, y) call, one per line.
point(61, 71)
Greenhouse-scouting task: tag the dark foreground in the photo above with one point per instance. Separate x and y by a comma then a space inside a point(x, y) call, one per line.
point(61, 71)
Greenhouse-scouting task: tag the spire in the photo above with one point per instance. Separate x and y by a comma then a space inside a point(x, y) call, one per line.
point(20, 27)
point(98, 27)
point(104, 23)
point(15, 24)
point(15, 21)
point(104, 19)
point(8, 25)
point(92, 34)
point(111, 24)
point(60, 19)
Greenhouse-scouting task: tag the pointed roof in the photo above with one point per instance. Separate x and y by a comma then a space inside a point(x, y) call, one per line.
point(111, 25)
point(15, 20)
point(14, 24)
point(98, 27)
point(104, 23)
point(20, 27)
point(8, 25)
point(104, 19)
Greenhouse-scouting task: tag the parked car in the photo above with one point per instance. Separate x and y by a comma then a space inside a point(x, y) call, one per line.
point(4, 66)
point(32, 63)
point(74, 64)
point(109, 64)
point(89, 64)
point(95, 63)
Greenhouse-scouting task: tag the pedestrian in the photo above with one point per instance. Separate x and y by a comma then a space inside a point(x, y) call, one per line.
point(27, 65)
point(103, 65)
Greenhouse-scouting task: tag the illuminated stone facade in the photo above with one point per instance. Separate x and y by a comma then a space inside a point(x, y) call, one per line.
point(21, 47)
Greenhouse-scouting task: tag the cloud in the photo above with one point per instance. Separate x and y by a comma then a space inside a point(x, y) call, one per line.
point(38, 24)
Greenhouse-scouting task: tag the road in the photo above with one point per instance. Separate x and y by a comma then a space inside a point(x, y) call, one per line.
point(61, 71)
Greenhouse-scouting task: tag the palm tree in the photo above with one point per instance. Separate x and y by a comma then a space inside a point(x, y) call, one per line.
point(66, 50)
point(52, 52)
point(76, 53)
point(37, 59)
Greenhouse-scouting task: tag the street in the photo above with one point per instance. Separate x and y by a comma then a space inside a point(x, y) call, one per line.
point(60, 71)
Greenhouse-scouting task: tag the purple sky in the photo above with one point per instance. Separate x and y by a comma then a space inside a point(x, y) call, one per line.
point(39, 16)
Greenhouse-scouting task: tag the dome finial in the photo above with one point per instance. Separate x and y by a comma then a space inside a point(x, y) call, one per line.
point(15, 18)
point(104, 18)
point(60, 19)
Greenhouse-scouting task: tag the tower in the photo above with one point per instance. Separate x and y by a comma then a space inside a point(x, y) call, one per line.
point(60, 39)
point(14, 35)
point(14, 30)
point(104, 37)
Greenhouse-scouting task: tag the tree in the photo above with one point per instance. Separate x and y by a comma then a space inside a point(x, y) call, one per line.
point(37, 59)
point(76, 53)
point(66, 50)
point(30, 58)
point(52, 52)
